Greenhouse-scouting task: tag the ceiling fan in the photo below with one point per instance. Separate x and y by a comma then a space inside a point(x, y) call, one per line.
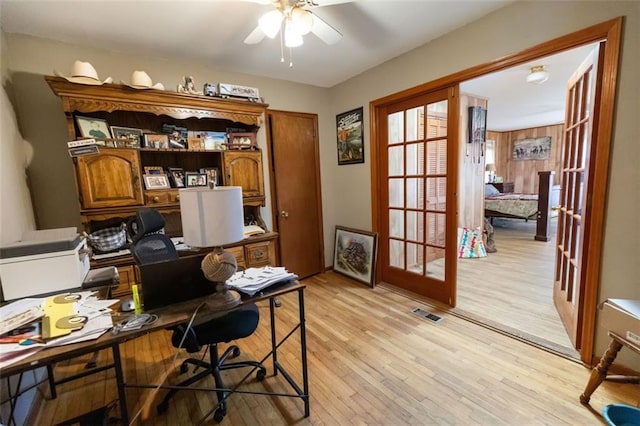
point(294, 19)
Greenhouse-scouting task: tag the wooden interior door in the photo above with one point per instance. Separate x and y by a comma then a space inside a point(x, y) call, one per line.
point(573, 216)
point(295, 189)
point(417, 190)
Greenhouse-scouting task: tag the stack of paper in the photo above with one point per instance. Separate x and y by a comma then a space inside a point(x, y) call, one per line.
point(252, 280)
point(22, 325)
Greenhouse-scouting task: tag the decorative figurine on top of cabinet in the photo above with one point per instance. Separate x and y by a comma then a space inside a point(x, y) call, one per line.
point(209, 89)
point(188, 86)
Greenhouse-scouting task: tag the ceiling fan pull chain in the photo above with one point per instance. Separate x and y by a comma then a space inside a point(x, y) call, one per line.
point(281, 47)
point(290, 58)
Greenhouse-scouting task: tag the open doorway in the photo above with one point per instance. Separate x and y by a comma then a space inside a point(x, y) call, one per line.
point(583, 293)
point(512, 288)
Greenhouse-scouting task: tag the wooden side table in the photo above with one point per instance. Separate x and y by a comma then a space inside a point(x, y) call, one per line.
point(599, 373)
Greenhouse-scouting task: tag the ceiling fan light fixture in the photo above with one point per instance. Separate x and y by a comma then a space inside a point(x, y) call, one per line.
point(538, 75)
point(302, 20)
point(270, 23)
point(292, 38)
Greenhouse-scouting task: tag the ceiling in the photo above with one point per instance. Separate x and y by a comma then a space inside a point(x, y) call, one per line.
point(515, 104)
point(374, 31)
point(212, 32)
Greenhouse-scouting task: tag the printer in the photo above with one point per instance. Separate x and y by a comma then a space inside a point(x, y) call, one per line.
point(43, 262)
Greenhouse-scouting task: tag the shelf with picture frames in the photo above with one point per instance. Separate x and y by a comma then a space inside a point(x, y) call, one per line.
point(121, 178)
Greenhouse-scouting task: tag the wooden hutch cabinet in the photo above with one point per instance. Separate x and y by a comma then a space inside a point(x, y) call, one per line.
point(110, 183)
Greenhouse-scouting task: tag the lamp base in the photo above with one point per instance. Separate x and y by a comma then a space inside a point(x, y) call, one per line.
point(223, 298)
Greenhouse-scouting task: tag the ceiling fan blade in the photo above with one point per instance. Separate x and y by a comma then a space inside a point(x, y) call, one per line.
point(255, 37)
point(324, 31)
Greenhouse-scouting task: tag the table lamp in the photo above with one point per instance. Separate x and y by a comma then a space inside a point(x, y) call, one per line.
point(213, 217)
point(491, 168)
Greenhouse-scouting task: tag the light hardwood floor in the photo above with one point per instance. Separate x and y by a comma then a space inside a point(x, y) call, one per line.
point(371, 361)
point(512, 289)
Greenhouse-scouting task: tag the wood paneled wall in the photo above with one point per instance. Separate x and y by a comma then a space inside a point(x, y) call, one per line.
point(471, 170)
point(524, 174)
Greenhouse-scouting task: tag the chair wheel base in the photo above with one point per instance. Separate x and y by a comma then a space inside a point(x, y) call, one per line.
point(219, 414)
point(261, 374)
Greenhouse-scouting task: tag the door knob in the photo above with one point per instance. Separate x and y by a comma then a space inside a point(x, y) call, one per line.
point(284, 214)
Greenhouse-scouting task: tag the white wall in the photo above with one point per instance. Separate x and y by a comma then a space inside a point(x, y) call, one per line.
point(16, 215)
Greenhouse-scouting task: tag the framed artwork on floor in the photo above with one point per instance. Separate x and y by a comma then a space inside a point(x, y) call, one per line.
point(354, 254)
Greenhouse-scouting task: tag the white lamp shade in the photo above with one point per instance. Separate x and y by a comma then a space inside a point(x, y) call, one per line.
point(301, 20)
point(292, 38)
point(270, 23)
point(212, 217)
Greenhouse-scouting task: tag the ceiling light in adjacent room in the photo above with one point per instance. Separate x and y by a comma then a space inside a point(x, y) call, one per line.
point(538, 75)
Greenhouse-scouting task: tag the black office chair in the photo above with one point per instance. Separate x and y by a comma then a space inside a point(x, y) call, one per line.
point(150, 245)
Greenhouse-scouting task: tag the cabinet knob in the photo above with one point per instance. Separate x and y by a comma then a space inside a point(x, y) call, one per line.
point(178, 197)
point(258, 254)
point(156, 199)
point(284, 214)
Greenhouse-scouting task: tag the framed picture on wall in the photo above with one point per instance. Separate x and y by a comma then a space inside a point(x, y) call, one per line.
point(354, 254)
point(350, 137)
point(477, 124)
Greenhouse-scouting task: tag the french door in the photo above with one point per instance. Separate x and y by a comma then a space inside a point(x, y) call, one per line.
point(573, 216)
point(417, 193)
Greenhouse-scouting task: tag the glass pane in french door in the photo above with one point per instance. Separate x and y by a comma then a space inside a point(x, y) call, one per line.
point(417, 189)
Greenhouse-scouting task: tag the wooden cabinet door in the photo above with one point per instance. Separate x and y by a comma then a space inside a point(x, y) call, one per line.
point(244, 168)
point(109, 179)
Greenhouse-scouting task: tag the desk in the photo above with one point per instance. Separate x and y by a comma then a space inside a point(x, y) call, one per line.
point(599, 373)
point(170, 316)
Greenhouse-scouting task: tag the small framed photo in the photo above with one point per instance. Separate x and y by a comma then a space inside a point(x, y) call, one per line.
point(153, 170)
point(176, 176)
point(355, 254)
point(156, 181)
point(177, 135)
point(195, 144)
point(93, 127)
point(214, 141)
point(213, 174)
point(131, 137)
point(155, 140)
point(195, 179)
point(245, 140)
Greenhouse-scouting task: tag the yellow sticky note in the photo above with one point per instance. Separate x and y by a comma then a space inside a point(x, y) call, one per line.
point(136, 299)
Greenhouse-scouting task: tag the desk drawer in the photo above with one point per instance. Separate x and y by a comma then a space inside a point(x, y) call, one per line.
point(238, 253)
point(127, 279)
point(259, 254)
point(161, 197)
